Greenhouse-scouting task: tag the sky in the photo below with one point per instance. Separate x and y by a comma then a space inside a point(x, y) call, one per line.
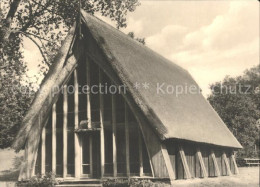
point(211, 39)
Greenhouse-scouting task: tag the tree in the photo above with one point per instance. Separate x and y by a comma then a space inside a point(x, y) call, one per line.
point(46, 23)
point(132, 35)
point(15, 92)
point(237, 101)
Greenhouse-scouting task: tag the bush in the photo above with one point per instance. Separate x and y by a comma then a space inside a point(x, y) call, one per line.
point(116, 183)
point(132, 183)
point(142, 183)
point(47, 180)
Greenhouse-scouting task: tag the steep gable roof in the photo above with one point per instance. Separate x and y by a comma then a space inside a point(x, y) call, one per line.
point(185, 116)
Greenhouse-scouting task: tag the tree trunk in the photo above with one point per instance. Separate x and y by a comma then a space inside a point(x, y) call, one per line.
point(5, 31)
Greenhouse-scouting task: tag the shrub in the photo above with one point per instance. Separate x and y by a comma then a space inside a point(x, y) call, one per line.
point(116, 183)
point(47, 180)
point(141, 183)
point(132, 183)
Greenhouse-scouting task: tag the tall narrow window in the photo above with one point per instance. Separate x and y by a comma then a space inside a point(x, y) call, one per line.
point(107, 126)
point(70, 139)
point(59, 136)
point(133, 145)
point(120, 141)
point(108, 151)
point(38, 160)
point(85, 154)
point(146, 160)
point(48, 143)
point(94, 85)
point(82, 80)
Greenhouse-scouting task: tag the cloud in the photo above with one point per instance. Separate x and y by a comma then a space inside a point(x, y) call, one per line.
point(226, 31)
point(226, 46)
point(32, 56)
point(169, 39)
point(135, 26)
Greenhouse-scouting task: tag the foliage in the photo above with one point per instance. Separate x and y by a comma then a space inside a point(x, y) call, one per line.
point(132, 183)
point(15, 92)
point(46, 180)
point(237, 101)
point(46, 23)
point(116, 182)
point(141, 40)
point(146, 183)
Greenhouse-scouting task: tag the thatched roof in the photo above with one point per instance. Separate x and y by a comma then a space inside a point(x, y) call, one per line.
point(188, 116)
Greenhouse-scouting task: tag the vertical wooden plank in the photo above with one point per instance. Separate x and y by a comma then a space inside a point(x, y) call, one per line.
point(184, 162)
point(91, 154)
point(223, 166)
point(235, 164)
point(168, 163)
point(114, 134)
point(232, 167)
point(224, 156)
point(193, 169)
point(127, 141)
point(102, 136)
point(198, 170)
point(33, 146)
point(34, 164)
point(30, 154)
point(88, 94)
point(76, 120)
point(217, 172)
point(43, 151)
point(65, 133)
point(205, 157)
point(190, 156)
point(34, 155)
point(218, 158)
point(180, 169)
point(89, 117)
point(43, 147)
point(211, 166)
point(54, 138)
point(140, 143)
point(81, 156)
point(202, 165)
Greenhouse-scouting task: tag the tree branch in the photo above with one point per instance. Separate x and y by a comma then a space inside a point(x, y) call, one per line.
point(41, 38)
point(36, 14)
point(39, 47)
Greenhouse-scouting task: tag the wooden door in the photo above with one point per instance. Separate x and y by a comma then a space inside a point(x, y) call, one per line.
point(90, 155)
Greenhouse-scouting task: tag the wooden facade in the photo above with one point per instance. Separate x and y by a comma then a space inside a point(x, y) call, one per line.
point(202, 161)
point(92, 135)
point(95, 128)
